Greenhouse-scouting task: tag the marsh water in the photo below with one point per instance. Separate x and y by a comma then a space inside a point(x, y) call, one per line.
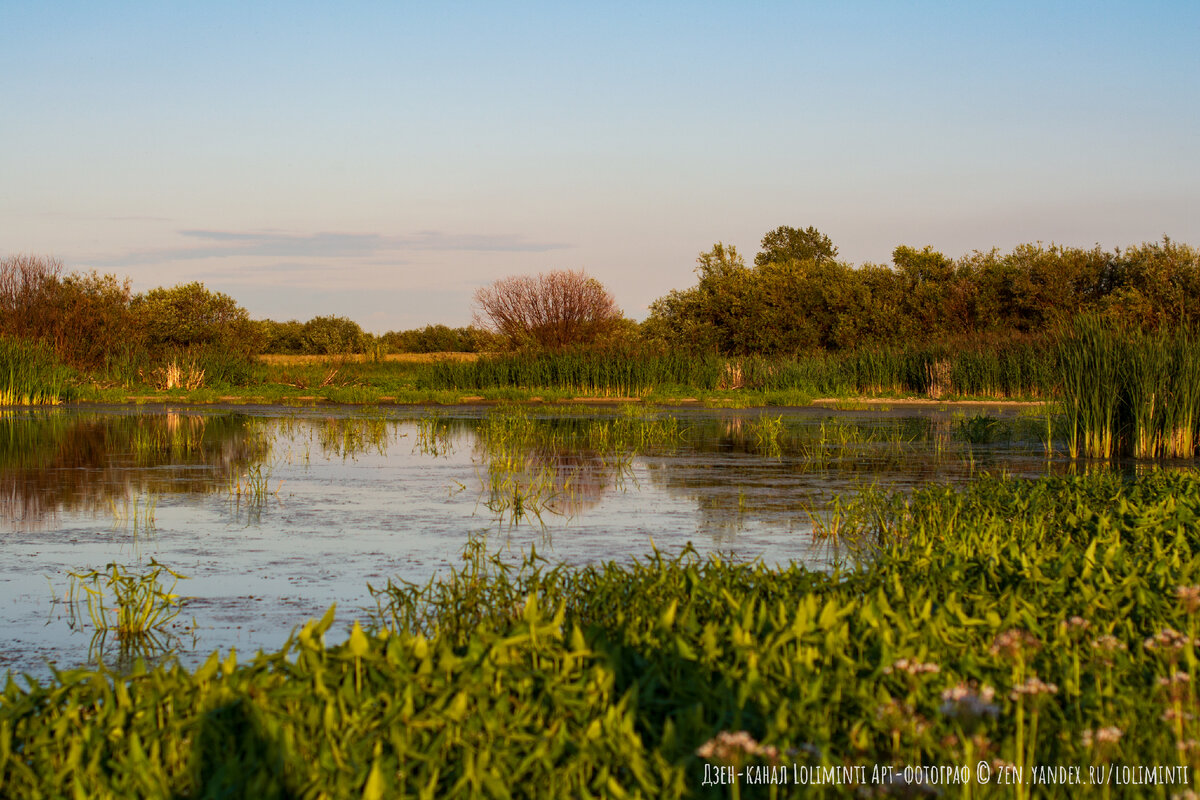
point(275, 514)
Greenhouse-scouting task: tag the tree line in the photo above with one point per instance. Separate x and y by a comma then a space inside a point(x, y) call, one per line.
point(797, 297)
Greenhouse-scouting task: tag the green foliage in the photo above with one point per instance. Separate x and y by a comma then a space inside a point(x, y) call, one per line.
point(332, 336)
point(190, 316)
point(798, 298)
point(443, 339)
point(792, 244)
point(1037, 622)
point(283, 337)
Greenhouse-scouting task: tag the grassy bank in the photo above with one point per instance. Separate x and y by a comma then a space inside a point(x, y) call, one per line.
point(1125, 392)
point(1024, 372)
point(1049, 622)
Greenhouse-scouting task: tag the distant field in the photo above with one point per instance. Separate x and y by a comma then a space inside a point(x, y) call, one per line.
point(358, 358)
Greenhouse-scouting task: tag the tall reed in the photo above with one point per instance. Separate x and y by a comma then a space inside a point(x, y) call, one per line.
point(30, 375)
point(1088, 363)
point(1128, 392)
point(1007, 370)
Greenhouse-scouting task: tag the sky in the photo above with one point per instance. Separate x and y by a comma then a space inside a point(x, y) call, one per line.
point(382, 161)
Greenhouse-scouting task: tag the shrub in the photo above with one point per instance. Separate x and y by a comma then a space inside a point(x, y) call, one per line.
point(552, 310)
point(189, 316)
point(332, 336)
point(443, 339)
point(283, 337)
point(85, 318)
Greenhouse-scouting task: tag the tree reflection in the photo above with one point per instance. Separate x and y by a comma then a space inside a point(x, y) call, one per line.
point(53, 461)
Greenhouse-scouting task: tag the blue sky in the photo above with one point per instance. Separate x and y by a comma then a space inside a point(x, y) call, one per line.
point(383, 160)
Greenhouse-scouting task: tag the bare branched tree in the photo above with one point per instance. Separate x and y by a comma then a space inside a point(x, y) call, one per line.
point(551, 310)
point(25, 283)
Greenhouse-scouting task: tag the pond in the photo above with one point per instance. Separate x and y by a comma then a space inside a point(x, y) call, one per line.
point(275, 514)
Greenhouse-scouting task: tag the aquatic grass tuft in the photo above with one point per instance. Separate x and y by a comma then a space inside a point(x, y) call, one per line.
point(433, 435)
point(979, 429)
point(125, 603)
point(767, 432)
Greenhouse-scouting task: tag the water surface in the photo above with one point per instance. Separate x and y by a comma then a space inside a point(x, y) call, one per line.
point(275, 514)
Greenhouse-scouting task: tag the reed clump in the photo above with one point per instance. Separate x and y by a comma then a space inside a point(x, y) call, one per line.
point(1014, 369)
point(1128, 392)
point(31, 375)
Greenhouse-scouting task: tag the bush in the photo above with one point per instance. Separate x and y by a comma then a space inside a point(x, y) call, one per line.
point(332, 336)
point(85, 318)
point(443, 339)
point(283, 337)
point(552, 310)
point(190, 316)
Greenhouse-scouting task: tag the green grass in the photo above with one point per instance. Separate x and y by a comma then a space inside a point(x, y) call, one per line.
point(1038, 622)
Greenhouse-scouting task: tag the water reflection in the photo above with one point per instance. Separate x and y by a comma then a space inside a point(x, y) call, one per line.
point(56, 461)
point(276, 514)
point(738, 468)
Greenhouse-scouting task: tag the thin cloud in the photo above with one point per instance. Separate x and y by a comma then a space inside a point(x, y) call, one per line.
point(266, 244)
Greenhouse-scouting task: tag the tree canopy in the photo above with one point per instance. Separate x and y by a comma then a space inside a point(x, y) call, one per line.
point(799, 298)
point(793, 244)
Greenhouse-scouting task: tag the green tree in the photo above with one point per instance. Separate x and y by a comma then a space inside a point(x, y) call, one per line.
point(191, 316)
point(283, 337)
point(793, 244)
point(332, 336)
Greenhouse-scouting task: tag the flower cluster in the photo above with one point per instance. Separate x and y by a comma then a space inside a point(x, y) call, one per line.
point(1109, 735)
point(1189, 598)
point(1175, 685)
point(967, 703)
point(1167, 639)
point(1109, 643)
point(1171, 714)
point(912, 667)
point(1014, 643)
point(728, 747)
point(1034, 686)
point(1175, 679)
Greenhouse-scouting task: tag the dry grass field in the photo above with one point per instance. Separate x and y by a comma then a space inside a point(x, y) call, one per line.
point(359, 358)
